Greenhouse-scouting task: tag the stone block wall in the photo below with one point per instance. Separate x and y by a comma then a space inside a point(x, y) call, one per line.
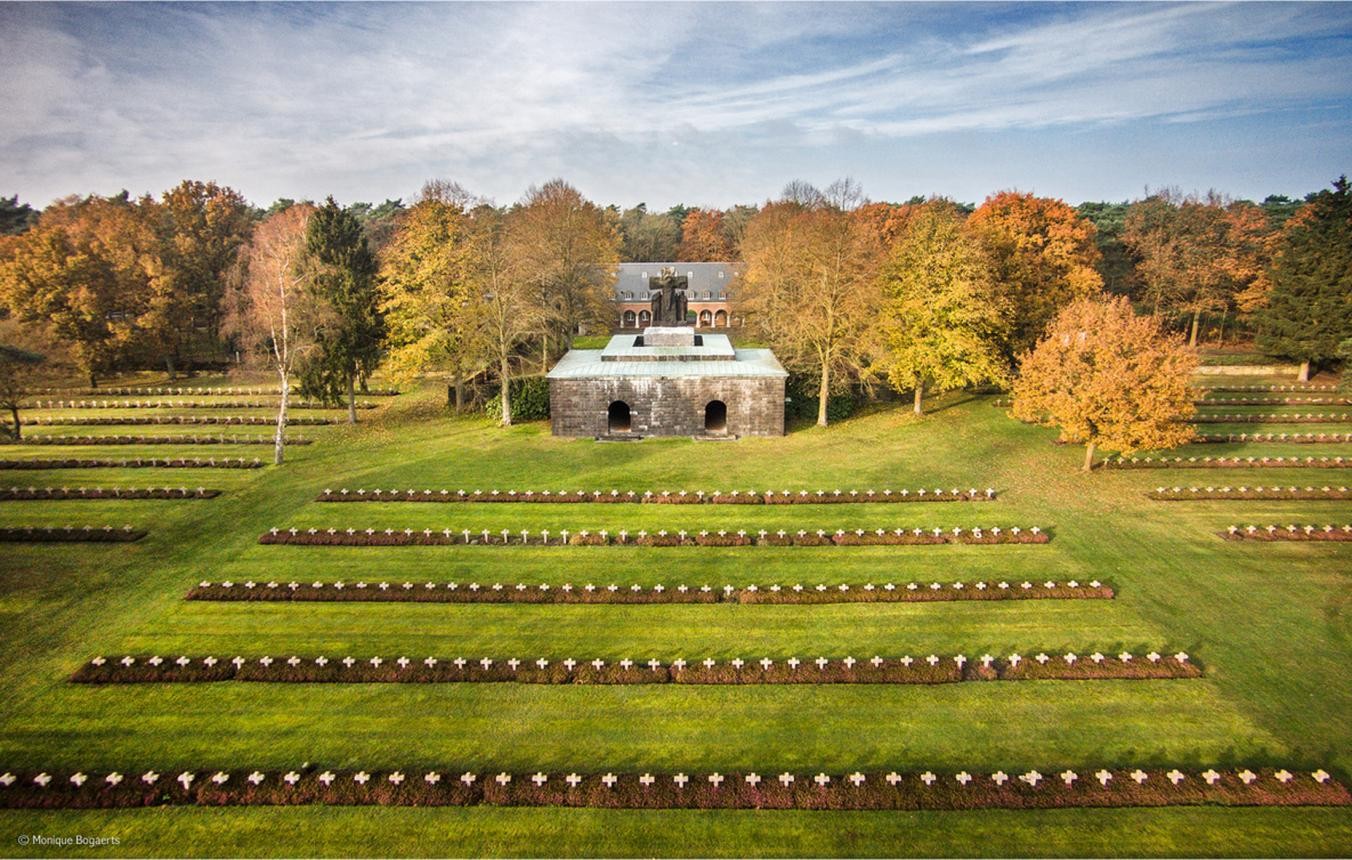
point(667, 407)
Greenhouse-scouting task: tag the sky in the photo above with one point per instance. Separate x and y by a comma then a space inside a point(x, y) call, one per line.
point(706, 104)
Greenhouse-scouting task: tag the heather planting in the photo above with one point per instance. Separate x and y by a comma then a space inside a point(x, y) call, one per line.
point(156, 440)
point(1272, 418)
point(184, 404)
point(635, 594)
point(662, 497)
point(1251, 462)
point(189, 391)
point(137, 420)
point(906, 669)
point(1272, 401)
point(1291, 532)
point(70, 534)
point(134, 463)
point(916, 536)
point(57, 494)
point(1183, 494)
point(1281, 438)
point(617, 789)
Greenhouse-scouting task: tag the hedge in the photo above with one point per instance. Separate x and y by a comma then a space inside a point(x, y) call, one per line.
point(186, 404)
point(1332, 533)
point(589, 593)
point(55, 494)
point(140, 420)
point(1295, 438)
point(567, 537)
point(1183, 494)
point(191, 392)
point(154, 440)
point(70, 534)
point(530, 400)
point(931, 669)
point(135, 463)
point(662, 497)
point(1227, 463)
point(1274, 418)
point(872, 790)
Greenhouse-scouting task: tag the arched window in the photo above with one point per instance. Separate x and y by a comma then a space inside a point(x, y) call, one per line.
point(629, 319)
point(706, 319)
point(721, 319)
point(645, 318)
point(617, 417)
point(716, 417)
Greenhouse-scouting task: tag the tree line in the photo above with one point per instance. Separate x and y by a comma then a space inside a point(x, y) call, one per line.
point(921, 297)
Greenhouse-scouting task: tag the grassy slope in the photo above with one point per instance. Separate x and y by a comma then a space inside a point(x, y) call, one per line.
point(1268, 621)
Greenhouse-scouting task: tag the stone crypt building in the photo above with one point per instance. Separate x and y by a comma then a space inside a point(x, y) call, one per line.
point(668, 380)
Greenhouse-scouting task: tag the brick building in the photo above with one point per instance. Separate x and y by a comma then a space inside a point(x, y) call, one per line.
point(709, 293)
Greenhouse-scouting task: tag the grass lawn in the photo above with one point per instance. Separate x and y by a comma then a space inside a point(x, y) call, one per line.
point(1269, 623)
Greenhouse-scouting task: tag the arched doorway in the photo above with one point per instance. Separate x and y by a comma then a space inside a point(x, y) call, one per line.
point(716, 417)
point(706, 319)
point(645, 318)
point(721, 319)
point(617, 417)
point(629, 319)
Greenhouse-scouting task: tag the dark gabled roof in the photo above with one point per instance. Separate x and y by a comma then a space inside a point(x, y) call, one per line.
point(712, 278)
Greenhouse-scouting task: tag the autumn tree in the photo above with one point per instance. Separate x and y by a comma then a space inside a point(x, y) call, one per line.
point(200, 227)
point(809, 289)
point(509, 315)
point(1108, 378)
point(266, 308)
point(29, 362)
point(941, 318)
point(426, 295)
point(347, 327)
point(648, 236)
point(84, 273)
point(1043, 255)
point(704, 238)
point(1309, 310)
point(567, 249)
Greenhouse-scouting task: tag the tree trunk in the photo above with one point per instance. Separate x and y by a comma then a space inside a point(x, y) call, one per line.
point(1192, 337)
point(544, 354)
point(169, 366)
point(1089, 456)
point(1304, 375)
point(459, 390)
point(18, 427)
point(93, 379)
point(504, 371)
point(919, 391)
point(279, 441)
point(823, 395)
point(352, 398)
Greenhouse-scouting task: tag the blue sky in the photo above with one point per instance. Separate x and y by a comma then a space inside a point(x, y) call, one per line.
point(707, 103)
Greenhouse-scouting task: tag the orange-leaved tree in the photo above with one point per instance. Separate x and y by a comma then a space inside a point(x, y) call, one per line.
point(1044, 256)
point(1108, 378)
point(704, 238)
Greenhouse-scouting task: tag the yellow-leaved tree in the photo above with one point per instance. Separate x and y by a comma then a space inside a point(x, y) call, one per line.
point(941, 318)
point(1108, 378)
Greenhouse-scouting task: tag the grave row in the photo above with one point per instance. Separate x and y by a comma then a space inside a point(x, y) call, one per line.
point(932, 669)
point(1289, 533)
point(857, 790)
point(180, 392)
point(721, 538)
point(55, 494)
point(665, 497)
point(1272, 401)
point(1250, 462)
point(1304, 386)
point(147, 420)
point(134, 463)
point(156, 440)
point(69, 534)
point(544, 593)
point(1294, 438)
point(1272, 418)
point(184, 404)
point(1183, 494)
